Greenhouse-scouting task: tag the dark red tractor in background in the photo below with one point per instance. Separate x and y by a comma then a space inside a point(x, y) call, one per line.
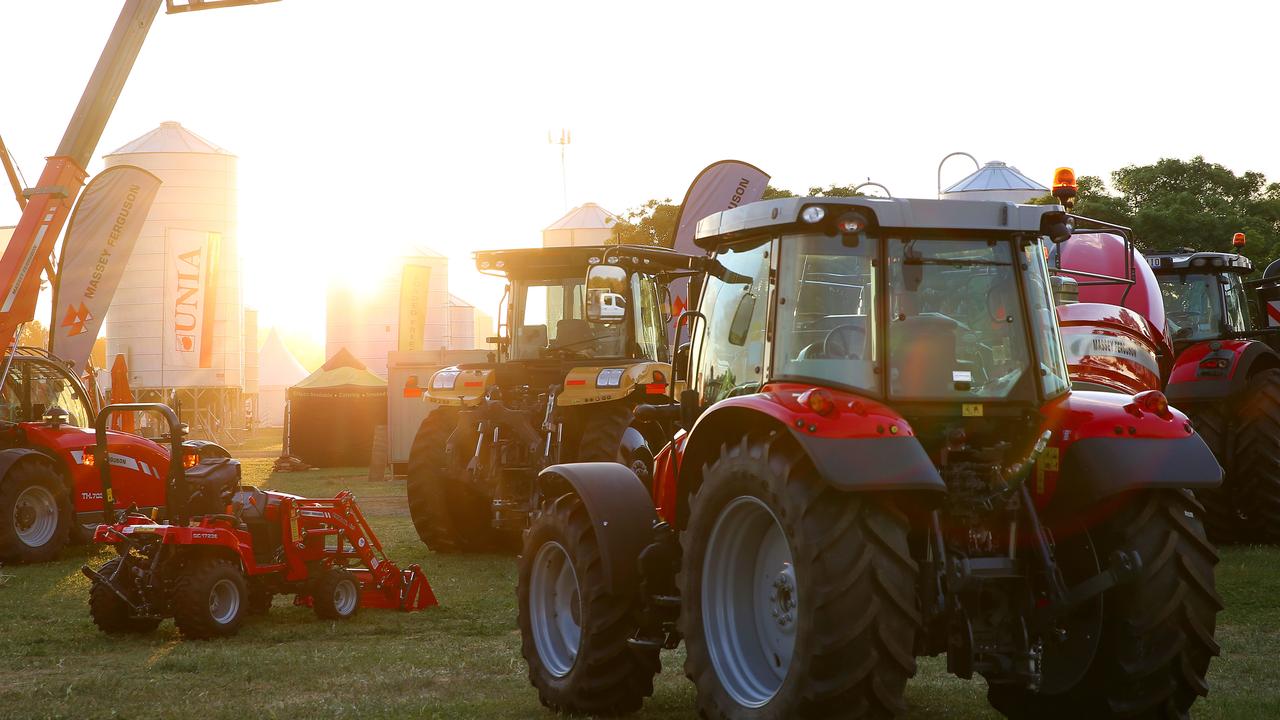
point(50, 491)
point(1189, 323)
point(882, 457)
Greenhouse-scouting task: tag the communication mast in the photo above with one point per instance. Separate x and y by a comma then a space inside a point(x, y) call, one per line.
point(563, 142)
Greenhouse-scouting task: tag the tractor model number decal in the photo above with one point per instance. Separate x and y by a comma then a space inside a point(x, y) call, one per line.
point(205, 536)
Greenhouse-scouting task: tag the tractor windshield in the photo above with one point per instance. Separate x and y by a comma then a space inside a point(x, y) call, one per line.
point(548, 321)
point(1194, 305)
point(962, 319)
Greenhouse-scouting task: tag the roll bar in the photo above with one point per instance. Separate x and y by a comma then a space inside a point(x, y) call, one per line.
point(175, 489)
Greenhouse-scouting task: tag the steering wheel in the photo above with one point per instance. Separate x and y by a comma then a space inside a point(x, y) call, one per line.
point(844, 341)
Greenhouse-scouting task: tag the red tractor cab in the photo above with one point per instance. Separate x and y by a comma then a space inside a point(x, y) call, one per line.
point(50, 489)
point(229, 549)
point(882, 457)
point(1215, 360)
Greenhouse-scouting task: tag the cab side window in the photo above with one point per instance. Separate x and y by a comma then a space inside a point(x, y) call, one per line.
point(730, 349)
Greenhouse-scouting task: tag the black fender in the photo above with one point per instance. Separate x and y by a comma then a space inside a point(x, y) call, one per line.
point(1255, 356)
point(12, 456)
point(1094, 469)
point(620, 509)
point(899, 464)
point(206, 449)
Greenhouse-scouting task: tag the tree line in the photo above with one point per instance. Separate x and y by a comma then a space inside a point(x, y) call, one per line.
point(1169, 204)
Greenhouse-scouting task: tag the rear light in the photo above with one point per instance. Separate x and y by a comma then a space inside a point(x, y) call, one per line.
point(190, 460)
point(812, 214)
point(818, 401)
point(86, 457)
point(1152, 401)
point(1215, 364)
point(659, 384)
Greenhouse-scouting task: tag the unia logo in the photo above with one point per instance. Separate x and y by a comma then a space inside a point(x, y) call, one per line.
point(76, 319)
point(186, 304)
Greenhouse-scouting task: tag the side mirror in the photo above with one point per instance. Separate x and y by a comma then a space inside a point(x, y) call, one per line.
point(606, 294)
point(1066, 290)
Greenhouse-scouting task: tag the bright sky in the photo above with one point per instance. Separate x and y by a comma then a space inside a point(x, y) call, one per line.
point(364, 127)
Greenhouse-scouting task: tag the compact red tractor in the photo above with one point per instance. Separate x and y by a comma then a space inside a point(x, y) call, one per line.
point(883, 458)
point(1180, 321)
point(230, 548)
point(50, 491)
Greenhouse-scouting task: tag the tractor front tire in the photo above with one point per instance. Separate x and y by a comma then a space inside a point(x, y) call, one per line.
point(573, 630)
point(34, 513)
point(1157, 631)
point(1222, 521)
point(210, 598)
point(110, 613)
point(799, 600)
point(335, 595)
point(602, 428)
point(1257, 457)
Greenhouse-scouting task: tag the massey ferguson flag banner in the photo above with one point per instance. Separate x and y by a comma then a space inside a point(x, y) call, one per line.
point(415, 284)
point(100, 237)
point(720, 186)
point(190, 297)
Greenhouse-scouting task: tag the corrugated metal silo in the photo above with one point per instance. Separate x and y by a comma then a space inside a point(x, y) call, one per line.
point(178, 316)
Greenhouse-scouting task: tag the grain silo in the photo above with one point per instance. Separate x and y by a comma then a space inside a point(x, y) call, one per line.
point(996, 181)
point(588, 224)
point(367, 324)
point(177, 316)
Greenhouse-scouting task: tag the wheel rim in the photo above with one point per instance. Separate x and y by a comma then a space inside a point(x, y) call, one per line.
point(750, 601)
point(35, 516)
point(554, 609)
point(224, 602)
point(344, 597)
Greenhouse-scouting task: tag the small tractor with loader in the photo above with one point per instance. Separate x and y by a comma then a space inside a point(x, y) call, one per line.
point(1213, 356)
point(229, 549)
point(569, 368)
point(881, 457)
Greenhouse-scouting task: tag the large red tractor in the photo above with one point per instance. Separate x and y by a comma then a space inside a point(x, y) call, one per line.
point(1180, 321)
point(883, 458)
point(50, 491)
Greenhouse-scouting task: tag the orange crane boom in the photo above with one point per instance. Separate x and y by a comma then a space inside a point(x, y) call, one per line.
point(30, 250)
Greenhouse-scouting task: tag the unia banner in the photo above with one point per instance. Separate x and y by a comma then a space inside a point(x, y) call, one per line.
point(415, 285)
point(100, 237)
point(190, 297)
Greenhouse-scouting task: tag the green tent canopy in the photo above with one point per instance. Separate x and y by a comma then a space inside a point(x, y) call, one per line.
point(333, 413)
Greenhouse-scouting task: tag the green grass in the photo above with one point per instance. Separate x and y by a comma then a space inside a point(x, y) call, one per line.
point(461, 660)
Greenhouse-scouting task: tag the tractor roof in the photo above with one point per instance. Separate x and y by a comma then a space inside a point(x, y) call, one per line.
point(977, 215)
point(1184, 259)
point(569, 261)
point(547, 262)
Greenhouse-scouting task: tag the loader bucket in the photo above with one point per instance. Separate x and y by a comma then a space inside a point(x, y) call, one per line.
point(412, 592)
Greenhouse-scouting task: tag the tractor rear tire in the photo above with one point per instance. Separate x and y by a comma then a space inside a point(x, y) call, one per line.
point(428, 479)
point(1157, 633)
point(1257, 457)
point(827, 575)
point(573, 630)
point(210, 598)
point(335, 595)
point(110, 613)
point(1222, 521)
point(34, 513)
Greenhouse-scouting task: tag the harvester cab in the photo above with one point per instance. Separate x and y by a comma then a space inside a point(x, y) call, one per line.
point(226, 550)
point(575, 355)
point(886, 460)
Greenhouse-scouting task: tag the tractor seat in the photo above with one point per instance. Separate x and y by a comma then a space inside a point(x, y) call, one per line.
point(212, 484)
